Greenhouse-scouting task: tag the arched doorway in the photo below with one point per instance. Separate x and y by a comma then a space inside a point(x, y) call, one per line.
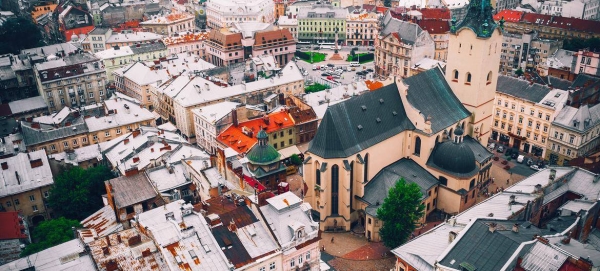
point(36, 220)
point(358, 226)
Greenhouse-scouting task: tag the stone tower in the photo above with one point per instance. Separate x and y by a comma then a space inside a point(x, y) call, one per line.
point(473, 59)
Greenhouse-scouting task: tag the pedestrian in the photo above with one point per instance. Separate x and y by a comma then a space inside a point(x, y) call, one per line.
point(331, 239)
point(493, 180)
point(507, 181)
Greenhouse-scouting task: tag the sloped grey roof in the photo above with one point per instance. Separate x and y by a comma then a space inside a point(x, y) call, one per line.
point(408, 32)
point(486, 250)
point(377, 189)
point(430, 93)
point(558, 83)
point(568, 115)
point(131, 190)
point(352, 125)
point(33, 136)
point(543, 257)
point(521, 88)
point(585, 80)
point(481, 153)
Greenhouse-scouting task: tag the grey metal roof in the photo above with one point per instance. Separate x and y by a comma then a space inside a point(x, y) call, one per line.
point(585, 80)
point(485, 250)
point(521, 88)
point(359, 123)
point(130, 190)
point(481, 153)
point(377, 189)
point(408, 32)
point(32, 136)
point(543, 257)
point(556, 82)
point(148, 47)
point(430, 93)
point(585, 116)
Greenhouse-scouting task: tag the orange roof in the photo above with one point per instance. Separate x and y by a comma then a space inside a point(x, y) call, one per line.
point(78, 31)
point(41, 10)
point(190, 37)
point(373, 85)
point(509, 15)
point(235, 138)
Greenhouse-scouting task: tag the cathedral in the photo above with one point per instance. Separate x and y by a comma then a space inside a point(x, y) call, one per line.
point(427, 129)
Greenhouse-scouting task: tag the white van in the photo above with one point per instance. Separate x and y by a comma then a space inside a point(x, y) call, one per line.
point(314, 67)
point(520, 159)
point(354, 64)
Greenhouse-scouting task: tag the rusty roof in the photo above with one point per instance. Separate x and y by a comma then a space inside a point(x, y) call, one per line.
point(272, 36)
point(225, 38)
point(435, 26)
point(129, 190)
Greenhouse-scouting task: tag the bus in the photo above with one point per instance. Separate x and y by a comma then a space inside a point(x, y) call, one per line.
point(327, 45)
point(303, 43)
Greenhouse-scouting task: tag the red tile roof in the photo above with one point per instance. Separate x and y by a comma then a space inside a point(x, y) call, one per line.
point(436, 14)
point(78, 31)
point(235, 138)
point(509, 15)
point(381, 10)
point(435, 26)
point(10, 226)
point(534, 18)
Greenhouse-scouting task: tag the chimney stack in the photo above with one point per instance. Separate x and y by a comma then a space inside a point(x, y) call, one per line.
point(492, 227)
point(515, 228)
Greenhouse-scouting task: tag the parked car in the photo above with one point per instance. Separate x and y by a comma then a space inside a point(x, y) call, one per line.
point(316, 48)
point(371, 48)
point(315, 67)
point(500, 149)
point(521, 159)
point(492, 146)
point(370, 70)
point(330, 65)
point(514, 155)
point(535, 167)
point(330, 78)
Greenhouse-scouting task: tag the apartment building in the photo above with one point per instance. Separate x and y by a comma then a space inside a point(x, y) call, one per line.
point(186, 42)
point(224, 13)
point(322, 22)
point(135, 80)
point(523, 113)
point(548, 26)
point(587, 62)
point(96, 40)
point(130, 38)
point(175, 99)
point(170, 24)
point(58, 132)
point(279, 43)
point(581, 9)
point(438, 30)
point(399, 46)
point(73, 80)
point(362, 28)
point(27, 180)
point(210, 121)
point(575, 132)
point(120, 56)
point(525, 51)
point(290, 23)
point(224, 47)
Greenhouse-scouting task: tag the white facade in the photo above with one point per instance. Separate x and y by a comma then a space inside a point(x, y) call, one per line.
point(208, 123)
point(290, 24)
point(582, 9)
point(221, 13)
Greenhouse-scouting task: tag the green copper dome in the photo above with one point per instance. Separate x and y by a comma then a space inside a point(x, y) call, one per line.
point(479, 18)
point(262, 153)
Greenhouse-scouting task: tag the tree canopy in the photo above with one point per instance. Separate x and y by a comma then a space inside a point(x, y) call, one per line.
point(51, 233)
point(387, 3)
point(519, 72)
point(577, 44)
point(17, 34)
point(401, 209)
point(77, 192)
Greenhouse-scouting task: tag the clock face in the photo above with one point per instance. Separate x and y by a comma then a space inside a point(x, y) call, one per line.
point(201, 12)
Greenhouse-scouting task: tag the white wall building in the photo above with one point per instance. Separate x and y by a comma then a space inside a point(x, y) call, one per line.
point(209, 121)
point(221, 13)
point(582, 9)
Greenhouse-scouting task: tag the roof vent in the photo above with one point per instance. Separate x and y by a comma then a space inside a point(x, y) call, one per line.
point(394, 113)
point(359, 127)
point(364, 108)
point(378, 120)
point(381, 101)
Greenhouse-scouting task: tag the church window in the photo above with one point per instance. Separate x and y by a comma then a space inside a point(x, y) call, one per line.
point(472, 184)
point(366, 171)
point(455, 75)
point(318, 177)
point(334, 189)
point(443, 180)
point(489, 78)
point(417, 146)
point(468, 78)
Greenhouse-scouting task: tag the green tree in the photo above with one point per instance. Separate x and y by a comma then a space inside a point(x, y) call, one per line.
point(387, 3)
point(77, 192)
point(519, 72)
point(575, 44)
point(17, 34)
point(295, 159)
point(51, 233)
point(400, 211)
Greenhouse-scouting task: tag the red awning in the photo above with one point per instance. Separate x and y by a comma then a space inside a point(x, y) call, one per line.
point(253, 182)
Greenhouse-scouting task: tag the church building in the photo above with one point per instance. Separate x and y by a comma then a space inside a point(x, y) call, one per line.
point(427, 128)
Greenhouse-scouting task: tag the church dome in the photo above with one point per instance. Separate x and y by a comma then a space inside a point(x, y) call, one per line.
point(454, 157)
point(262, 153)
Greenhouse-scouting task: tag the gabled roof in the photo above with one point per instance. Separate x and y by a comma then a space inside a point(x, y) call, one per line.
point(578, 119)
point(430, 93)
point(129, 190)
point(378, 188)
point(435, 26)
point(520, 88)
point(359, 123)
point(408, 32)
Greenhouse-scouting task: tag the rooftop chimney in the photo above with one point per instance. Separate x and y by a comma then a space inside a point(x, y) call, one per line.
point(492, 227)
point(515, 228)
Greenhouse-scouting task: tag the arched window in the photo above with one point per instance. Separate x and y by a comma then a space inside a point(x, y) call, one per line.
point(351, 184)
point(443, 180)
point(468, 77)
point(318, 176)
point(489, 77)
point(366, 171)
point(335, 181)
point(417, 146)
point(472, 184)
point(455, 74)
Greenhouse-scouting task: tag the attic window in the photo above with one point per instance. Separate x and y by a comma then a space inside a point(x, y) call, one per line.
point(378, 120)
point(364, 108)
point(359, 127)
point(394, 113)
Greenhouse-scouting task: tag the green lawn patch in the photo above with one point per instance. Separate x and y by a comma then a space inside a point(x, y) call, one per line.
point(361, 58)
point(311, 57)
point(316, 87)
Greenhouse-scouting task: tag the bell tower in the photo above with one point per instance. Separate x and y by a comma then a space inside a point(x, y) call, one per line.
point(474, 50)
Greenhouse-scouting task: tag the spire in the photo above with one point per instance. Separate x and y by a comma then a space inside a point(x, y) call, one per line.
point(479, 18)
